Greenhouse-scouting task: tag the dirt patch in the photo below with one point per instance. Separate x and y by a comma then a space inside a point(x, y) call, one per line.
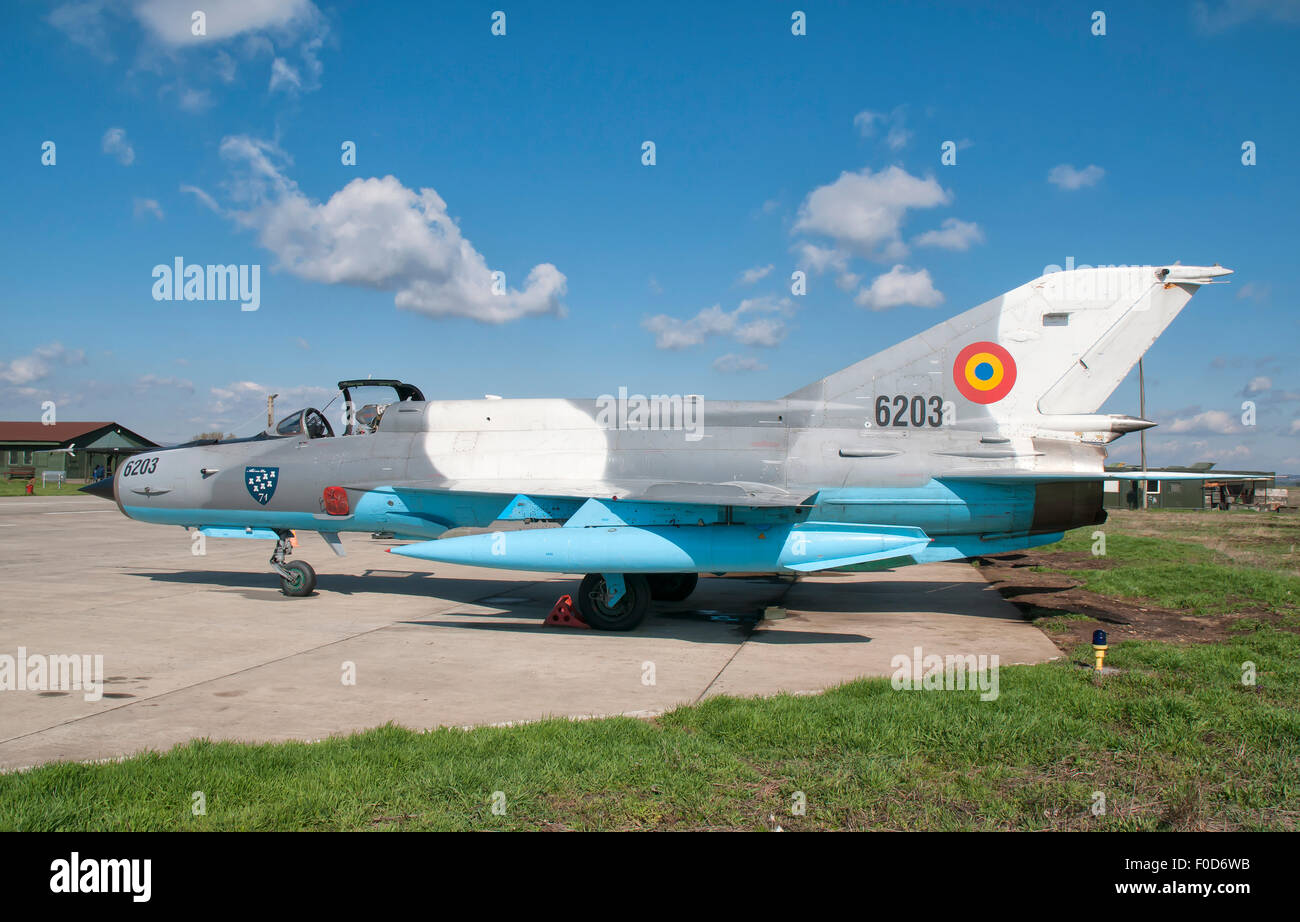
point(1043, 594)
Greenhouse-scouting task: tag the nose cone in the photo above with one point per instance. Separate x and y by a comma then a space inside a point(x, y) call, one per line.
point(102, 488)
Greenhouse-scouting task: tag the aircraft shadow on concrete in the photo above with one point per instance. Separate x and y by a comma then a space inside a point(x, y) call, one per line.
point(662, 625)
point(394, 582)
point(712, 616)
point(945, 597)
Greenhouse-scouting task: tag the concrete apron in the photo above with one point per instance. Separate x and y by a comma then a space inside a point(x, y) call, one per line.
point(206, 646)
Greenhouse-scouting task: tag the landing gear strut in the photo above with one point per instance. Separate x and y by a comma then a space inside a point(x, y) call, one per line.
point(296, 577)
point(606, 608)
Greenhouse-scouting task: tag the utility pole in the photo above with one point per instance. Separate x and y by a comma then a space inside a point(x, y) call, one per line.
point(1142, 412)
point(270, 410)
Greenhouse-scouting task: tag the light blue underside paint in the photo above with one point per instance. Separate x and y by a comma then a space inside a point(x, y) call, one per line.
point(615, 587)
point(938, 507)
point(216, 531)
point(975, 546)
point(935, 522)
point(687, 549)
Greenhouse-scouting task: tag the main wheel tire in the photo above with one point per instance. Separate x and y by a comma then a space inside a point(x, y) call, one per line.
point(304, 581)
point(627, 614)
point(672, 587)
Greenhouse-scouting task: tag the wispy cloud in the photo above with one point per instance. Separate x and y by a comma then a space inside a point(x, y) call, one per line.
point(893, 123)
point(147, 206)
point(952, 235)
point(1067, 177)
point(116, 145)
point(731, 363)
point(754, 322)
point(37, 365)
point(1228, 14)
point(164, 37)
point(1210, 422)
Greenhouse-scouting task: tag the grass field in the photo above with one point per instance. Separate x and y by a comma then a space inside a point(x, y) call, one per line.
point(1175, 740)
point(18, 488)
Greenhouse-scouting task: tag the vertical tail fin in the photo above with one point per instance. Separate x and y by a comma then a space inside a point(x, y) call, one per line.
point(1058, 345)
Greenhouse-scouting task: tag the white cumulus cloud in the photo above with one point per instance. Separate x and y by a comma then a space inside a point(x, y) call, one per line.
point(170, 20)
point(898, 287)
point(864, 211)
point(377, 233)
point(214, 41)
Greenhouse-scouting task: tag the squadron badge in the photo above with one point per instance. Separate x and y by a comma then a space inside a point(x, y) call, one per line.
point(260, 482)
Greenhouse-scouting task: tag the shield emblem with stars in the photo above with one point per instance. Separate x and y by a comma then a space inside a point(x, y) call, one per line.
point(261, 482)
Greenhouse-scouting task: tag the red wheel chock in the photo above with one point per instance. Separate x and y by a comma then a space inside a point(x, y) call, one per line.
point(565, 615)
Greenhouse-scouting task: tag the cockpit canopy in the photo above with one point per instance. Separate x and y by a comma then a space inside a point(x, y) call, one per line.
point(312, 423)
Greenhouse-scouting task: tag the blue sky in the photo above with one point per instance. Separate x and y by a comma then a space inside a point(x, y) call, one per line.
point(225, 148)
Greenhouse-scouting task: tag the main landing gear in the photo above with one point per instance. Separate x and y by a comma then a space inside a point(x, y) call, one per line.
point(296, 577)
point(672, 587)
point(619, 601)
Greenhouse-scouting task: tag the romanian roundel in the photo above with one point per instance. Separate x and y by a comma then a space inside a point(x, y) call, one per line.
point(984, 372)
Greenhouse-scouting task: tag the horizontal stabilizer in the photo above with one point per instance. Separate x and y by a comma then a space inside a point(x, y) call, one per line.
point(1014, 476)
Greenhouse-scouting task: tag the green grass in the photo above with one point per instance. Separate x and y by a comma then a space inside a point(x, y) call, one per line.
point(1128, 549)
point(1265, 541)
point(1181, 575)
point(1202, 588)
point(19, 488)
point(1173, 741)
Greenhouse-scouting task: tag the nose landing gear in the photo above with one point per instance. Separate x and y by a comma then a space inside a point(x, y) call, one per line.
point(616, 603)
point(297, 578)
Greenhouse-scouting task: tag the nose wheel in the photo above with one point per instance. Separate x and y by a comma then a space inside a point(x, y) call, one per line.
point(297, 578)
point(617, 607)
point(303, 580)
